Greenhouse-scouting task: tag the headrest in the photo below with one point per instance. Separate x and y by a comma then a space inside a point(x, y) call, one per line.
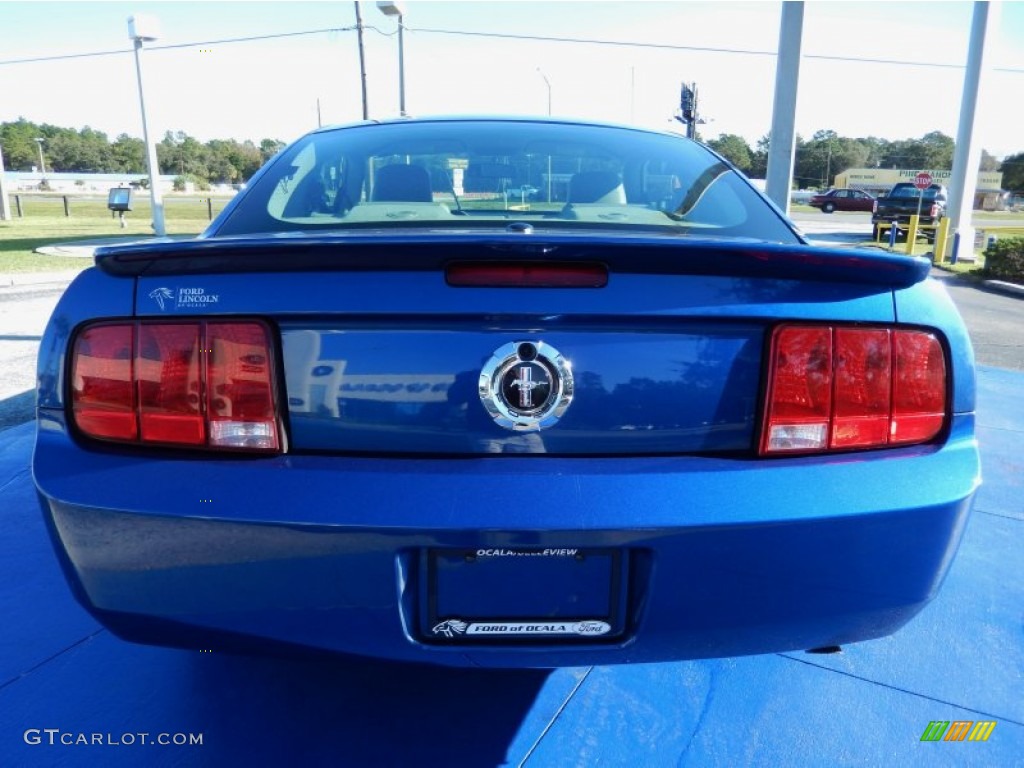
point(597, 187)
point(402, 183)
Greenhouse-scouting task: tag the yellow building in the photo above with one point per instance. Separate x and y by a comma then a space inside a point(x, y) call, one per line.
point(880, 180)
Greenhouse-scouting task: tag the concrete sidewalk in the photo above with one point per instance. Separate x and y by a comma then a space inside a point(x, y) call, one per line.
point(962, 659)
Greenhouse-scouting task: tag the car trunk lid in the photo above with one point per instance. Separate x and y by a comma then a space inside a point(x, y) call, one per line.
point(382, 354)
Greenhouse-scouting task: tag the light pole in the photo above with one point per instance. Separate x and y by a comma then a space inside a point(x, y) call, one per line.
point(5, 206)
point(548, 84)
point(145, 29)
point(390, 8)
point(42, 166)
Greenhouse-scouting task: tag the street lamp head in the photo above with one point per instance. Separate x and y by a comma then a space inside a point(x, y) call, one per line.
point(143, 28)
point(391, 8)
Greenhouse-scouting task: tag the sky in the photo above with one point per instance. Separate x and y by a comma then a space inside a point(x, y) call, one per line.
point(272, 88)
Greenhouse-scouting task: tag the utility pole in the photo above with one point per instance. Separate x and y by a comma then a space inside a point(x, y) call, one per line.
point(828, 165)
point(362, 60)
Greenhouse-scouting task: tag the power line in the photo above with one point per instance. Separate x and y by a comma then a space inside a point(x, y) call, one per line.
point(508, 36)
point(700, 49)
point(251, 38)
point(93, 54)
point(225, 41)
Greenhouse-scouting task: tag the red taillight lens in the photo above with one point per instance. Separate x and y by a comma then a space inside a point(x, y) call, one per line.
point(240, 394)
point(801, 389)
point(863, 388)
point(837, 388)
point(919, 388)
point(103, 384)
point(208, 385)
point(167, 368)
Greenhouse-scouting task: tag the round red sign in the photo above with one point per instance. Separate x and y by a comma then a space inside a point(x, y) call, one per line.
point(923, 180)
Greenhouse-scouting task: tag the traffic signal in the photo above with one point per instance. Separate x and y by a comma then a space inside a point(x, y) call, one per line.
point(688, 101)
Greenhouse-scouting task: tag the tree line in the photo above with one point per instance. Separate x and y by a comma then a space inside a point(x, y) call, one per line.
point(826, 154)
point(227, 161)
point(66, 150)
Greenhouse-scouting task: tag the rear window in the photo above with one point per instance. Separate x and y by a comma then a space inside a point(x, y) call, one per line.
point(470, 173)
point(909, 192)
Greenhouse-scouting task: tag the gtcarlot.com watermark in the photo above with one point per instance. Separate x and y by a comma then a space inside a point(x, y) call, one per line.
point(56, 737)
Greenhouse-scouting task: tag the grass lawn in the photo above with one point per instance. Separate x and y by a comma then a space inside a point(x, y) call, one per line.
point(1013, 216)
point(44, 223)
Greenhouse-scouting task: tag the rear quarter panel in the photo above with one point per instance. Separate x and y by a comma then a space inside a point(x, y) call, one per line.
point(928, 304)
point(93, 295)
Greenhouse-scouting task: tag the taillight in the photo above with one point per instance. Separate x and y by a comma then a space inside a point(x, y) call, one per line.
point(874, 206)
point(842, 387)
point(198, 384)
point(103, 382)
point(934, 213)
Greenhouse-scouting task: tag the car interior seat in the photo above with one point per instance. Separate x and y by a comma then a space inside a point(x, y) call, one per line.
point(402, 183)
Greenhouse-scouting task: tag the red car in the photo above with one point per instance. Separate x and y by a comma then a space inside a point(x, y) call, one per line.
point(843, 200)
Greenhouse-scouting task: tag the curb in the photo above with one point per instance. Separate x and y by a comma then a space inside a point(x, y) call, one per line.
point(69, 251)
point(1002, 286)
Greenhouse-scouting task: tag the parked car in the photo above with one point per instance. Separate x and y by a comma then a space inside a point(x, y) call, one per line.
point(843, 200)
point(905, 200)
point(361, 414)
point(523, 193)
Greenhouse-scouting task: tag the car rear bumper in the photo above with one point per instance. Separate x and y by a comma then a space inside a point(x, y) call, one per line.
point(719, 557)
point(903, 218)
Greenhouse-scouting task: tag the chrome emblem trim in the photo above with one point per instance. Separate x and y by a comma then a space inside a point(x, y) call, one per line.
point(526, 386)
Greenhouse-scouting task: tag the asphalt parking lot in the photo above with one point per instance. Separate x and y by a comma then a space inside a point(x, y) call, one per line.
point(65, 679)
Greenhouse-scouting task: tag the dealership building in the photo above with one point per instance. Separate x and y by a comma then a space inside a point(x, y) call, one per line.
point(987, 196)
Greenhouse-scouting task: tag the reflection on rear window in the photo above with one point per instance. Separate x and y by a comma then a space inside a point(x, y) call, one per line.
point(482, 172)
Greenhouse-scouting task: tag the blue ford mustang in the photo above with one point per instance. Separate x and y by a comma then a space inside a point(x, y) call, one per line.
point(384, 406)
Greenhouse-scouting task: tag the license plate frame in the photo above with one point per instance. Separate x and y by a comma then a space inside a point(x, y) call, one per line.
point(522, 595)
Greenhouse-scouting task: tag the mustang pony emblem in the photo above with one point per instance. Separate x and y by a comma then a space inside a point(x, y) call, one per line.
point(160, 295)
point(524, 381)
point(450, 628)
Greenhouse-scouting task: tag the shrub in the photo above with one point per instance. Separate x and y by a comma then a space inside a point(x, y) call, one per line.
point(198, 182)
point(1004, 259)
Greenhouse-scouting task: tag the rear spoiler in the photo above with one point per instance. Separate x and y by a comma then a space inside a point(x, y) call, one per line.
point(433, 250)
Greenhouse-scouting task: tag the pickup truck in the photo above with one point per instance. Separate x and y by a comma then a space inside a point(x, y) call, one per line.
point(902, 202)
